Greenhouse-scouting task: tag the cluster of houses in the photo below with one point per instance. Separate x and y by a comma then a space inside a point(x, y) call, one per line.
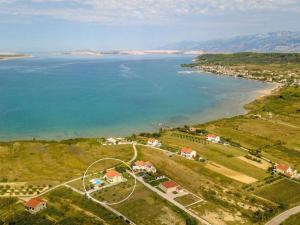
point(286, 171)
point(166, 186)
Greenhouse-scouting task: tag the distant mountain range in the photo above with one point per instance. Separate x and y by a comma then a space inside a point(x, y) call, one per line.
point(283, 41)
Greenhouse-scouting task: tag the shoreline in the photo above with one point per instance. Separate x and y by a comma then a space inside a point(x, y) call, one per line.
point(201, 118)
point(7, 58)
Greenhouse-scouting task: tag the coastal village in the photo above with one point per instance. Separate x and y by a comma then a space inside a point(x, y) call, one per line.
point(289, 77)
point(222, 172)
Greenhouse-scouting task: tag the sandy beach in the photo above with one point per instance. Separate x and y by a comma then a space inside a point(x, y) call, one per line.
point(6, 58)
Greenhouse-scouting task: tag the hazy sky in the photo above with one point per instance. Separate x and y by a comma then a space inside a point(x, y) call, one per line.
point(51, 25)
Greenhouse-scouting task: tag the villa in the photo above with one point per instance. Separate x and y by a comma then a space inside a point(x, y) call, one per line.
point(153, 142)
point(188, 153)
point(144, 166)
point(35, 205)
point(170, 186)
point(112, 176)
point(213, 138)
point(285, 170)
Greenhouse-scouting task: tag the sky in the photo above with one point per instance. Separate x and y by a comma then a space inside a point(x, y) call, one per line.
point(62, 25)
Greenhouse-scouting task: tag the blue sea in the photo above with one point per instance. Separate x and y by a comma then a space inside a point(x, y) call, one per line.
point(65, 97)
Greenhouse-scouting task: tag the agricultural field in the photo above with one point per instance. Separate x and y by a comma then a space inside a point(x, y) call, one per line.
point(282, 192)
point(227, 156)
point(276, 131)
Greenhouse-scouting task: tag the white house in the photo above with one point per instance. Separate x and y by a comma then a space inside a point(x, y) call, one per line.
point(213, 138)
point(111, 141)
point(144, 166)
point(285, 170)
point(187, 153)
point(35, 205)
point(153, 142)
point(112, 176)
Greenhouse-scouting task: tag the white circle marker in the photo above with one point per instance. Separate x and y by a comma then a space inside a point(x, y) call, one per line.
point(106, 203)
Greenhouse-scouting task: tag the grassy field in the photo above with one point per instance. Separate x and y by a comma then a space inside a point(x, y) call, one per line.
point(44, 162)
point(187, 199)
point(117, 192)
point(147, 208)
point(283, 191)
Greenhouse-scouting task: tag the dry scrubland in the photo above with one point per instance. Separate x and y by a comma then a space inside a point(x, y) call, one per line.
point(53, 162)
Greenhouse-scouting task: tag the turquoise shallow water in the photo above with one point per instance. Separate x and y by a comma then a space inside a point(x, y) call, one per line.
point(56, 98)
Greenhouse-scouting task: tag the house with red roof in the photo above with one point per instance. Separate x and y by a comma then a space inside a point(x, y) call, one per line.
point(188, 153)
point(141, 166)
point(170, 186)
point(35, 205)
point(113, 176)
point(285, 170)
point(213, 138)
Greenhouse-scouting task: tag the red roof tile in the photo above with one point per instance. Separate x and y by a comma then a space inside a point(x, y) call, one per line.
point(282, 167)
point(169, 184)
point(186, 150)
point(211, 136)
point(34, 202)
point(143, 163)
point(112, 173)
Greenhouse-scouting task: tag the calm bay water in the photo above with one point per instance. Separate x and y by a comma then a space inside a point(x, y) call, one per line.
point(56, 98)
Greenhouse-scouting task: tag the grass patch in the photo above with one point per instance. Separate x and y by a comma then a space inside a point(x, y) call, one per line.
point(284, 191)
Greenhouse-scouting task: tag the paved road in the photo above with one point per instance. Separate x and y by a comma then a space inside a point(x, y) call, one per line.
point(283, 216)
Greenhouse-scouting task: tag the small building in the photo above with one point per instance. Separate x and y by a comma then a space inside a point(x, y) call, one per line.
point(111, 141)
point(153, 142)
point(193, 129)
point(112, 176)
point(187, 153)
point(213, 138)
point(144, 166)
point(170, 186)
point(285, 170)
point(35, 205)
